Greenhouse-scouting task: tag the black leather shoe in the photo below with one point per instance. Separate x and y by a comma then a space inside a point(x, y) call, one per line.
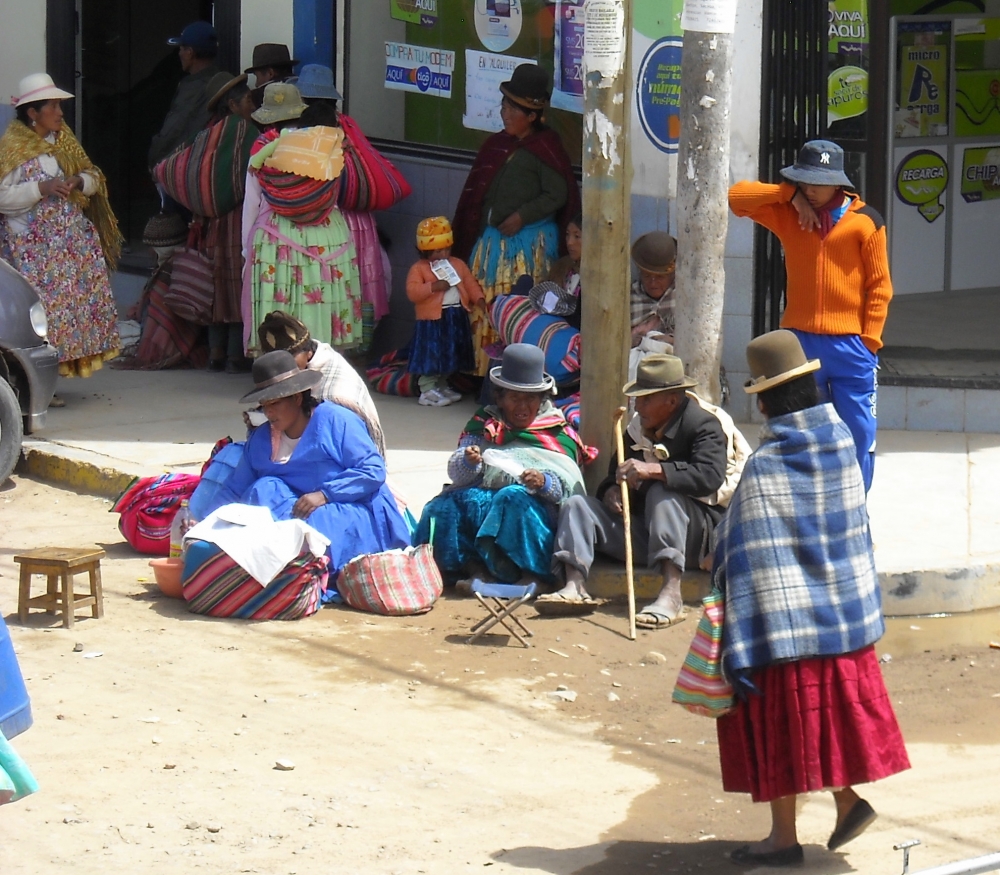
point(859, 818)
point(790, 856)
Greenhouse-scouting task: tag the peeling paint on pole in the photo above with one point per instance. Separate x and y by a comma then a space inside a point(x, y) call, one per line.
point(608, 135)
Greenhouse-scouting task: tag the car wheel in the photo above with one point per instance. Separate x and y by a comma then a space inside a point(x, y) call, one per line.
point(11, 430)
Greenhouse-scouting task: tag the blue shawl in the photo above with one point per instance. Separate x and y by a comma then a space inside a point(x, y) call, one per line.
point(794, 553)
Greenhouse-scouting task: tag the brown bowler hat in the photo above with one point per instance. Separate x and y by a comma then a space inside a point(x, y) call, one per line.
point(776, 358)
point(659, 373)
point(219, 84)
point(655, 252)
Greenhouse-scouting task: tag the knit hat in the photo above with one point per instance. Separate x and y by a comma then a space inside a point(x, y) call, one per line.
point(434, 234)
point(164, 230)
point(281, 330)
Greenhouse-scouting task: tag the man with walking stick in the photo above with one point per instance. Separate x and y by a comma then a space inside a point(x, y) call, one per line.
point(676, 466)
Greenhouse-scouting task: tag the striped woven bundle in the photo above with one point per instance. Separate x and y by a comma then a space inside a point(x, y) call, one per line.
point(216, 586)
point(371, 181)
point(516, 321)
point(208, 176)
point(701, 686)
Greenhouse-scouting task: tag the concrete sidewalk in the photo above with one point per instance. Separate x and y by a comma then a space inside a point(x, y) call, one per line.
point(935, 506)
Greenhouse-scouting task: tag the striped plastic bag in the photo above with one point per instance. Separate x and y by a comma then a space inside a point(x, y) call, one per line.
point(701, 687)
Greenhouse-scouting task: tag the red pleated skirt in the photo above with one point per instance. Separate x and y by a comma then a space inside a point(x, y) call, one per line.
point(821, 724)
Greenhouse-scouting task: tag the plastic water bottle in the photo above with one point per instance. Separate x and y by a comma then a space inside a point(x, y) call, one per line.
point(178, 528)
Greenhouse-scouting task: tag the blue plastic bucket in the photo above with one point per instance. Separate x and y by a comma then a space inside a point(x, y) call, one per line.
point(15, 706)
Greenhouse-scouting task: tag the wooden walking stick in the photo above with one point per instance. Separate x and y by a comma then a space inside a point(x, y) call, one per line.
point(627, 520)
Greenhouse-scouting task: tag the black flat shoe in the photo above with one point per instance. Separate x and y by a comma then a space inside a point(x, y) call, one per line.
point(859, 818)
point(790, 856)
point(216, 366)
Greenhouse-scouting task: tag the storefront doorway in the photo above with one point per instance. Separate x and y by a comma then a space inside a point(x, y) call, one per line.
point(113, 54)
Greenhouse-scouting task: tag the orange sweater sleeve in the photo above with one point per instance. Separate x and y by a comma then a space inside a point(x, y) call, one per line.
point(878, 289)
point(469, 289)
point(766, 204)
point(419, 281)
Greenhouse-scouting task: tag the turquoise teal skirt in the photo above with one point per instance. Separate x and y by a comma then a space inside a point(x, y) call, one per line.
point(509, 531)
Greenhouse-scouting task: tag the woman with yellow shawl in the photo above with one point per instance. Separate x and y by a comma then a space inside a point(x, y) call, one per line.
point(57, 227)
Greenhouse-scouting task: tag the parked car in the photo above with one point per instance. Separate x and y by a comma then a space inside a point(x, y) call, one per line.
point(29, 365)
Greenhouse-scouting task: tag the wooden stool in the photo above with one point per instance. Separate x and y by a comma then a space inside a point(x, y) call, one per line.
point(59, 565)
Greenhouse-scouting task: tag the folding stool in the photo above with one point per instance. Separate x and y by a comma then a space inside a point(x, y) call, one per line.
point(501, 600)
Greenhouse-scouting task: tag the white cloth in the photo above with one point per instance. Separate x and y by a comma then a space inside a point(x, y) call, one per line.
point(18, 198)
point(255, 542)
point(451, 298)
point(286, 446)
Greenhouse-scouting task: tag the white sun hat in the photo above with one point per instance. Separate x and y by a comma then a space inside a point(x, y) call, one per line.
point(39, 86)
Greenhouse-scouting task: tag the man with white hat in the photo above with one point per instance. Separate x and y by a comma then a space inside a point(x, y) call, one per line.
point(675, 464)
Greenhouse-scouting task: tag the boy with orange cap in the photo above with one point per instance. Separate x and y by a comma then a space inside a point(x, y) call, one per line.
point(443, 292)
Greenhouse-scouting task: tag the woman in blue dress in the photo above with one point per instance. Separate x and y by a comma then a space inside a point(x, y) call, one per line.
point(315, 462)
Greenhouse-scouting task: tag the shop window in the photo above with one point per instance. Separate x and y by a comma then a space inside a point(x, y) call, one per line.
point(426, 72)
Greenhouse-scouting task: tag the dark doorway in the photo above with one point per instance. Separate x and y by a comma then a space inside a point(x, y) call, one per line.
point(124, 81)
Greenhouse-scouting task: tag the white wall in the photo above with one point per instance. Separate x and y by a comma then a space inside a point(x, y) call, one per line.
point(22, 45)
point(264, 21)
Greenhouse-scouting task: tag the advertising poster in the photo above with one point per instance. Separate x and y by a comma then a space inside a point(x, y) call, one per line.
point(921, 181)
point(923, 79)
point(847, 86)
point(419, 70)
point(484, 72)
point(422, 12)
point(981, 174)
point(498, 23)
point(567, 92)
point(658, 93)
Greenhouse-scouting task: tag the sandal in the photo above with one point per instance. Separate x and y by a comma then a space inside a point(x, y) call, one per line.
point(555, 604)
point(655, 618)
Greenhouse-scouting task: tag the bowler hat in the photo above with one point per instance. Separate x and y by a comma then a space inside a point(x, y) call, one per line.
point(275, 375)
point(775, 358)
point(199, 35)
point(820, 162)
point(659, 373)
point(528, 87)
point(282, 102)
point(39, 86)
point(315, 82)
point(655, 252)
point(522, 369)
point(219, 84)
point(270, 55)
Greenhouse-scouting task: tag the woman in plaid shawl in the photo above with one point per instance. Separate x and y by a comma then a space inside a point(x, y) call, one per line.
point(493, 518)
point(803, 612)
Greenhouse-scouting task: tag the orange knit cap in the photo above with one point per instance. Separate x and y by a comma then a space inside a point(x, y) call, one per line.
point(434, 234)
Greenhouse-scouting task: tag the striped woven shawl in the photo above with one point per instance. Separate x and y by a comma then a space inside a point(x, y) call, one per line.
point(208, 176)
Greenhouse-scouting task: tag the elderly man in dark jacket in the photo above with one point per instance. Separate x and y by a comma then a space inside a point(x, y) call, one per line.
point(198, 46)
point(675, 469)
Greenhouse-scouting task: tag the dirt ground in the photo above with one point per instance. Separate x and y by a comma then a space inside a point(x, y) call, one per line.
point(155, 745)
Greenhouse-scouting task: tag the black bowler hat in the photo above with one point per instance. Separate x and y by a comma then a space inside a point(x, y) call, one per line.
point(522, 369)
point(528, 87)
point(820, 162)
point(275, 375)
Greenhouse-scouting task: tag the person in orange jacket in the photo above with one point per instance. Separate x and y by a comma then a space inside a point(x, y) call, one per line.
point(443, 292)
point(837, 264)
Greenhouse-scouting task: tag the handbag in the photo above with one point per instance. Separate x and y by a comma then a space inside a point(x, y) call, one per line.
point(701, 687)
point(370, 181)
point(191, 292)
point(395, 583)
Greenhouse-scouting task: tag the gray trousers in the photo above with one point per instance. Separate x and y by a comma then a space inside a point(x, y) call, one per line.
point(674, 528)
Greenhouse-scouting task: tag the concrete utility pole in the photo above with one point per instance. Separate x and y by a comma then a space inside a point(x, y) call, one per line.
point(607, 184)
point(702, 204)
